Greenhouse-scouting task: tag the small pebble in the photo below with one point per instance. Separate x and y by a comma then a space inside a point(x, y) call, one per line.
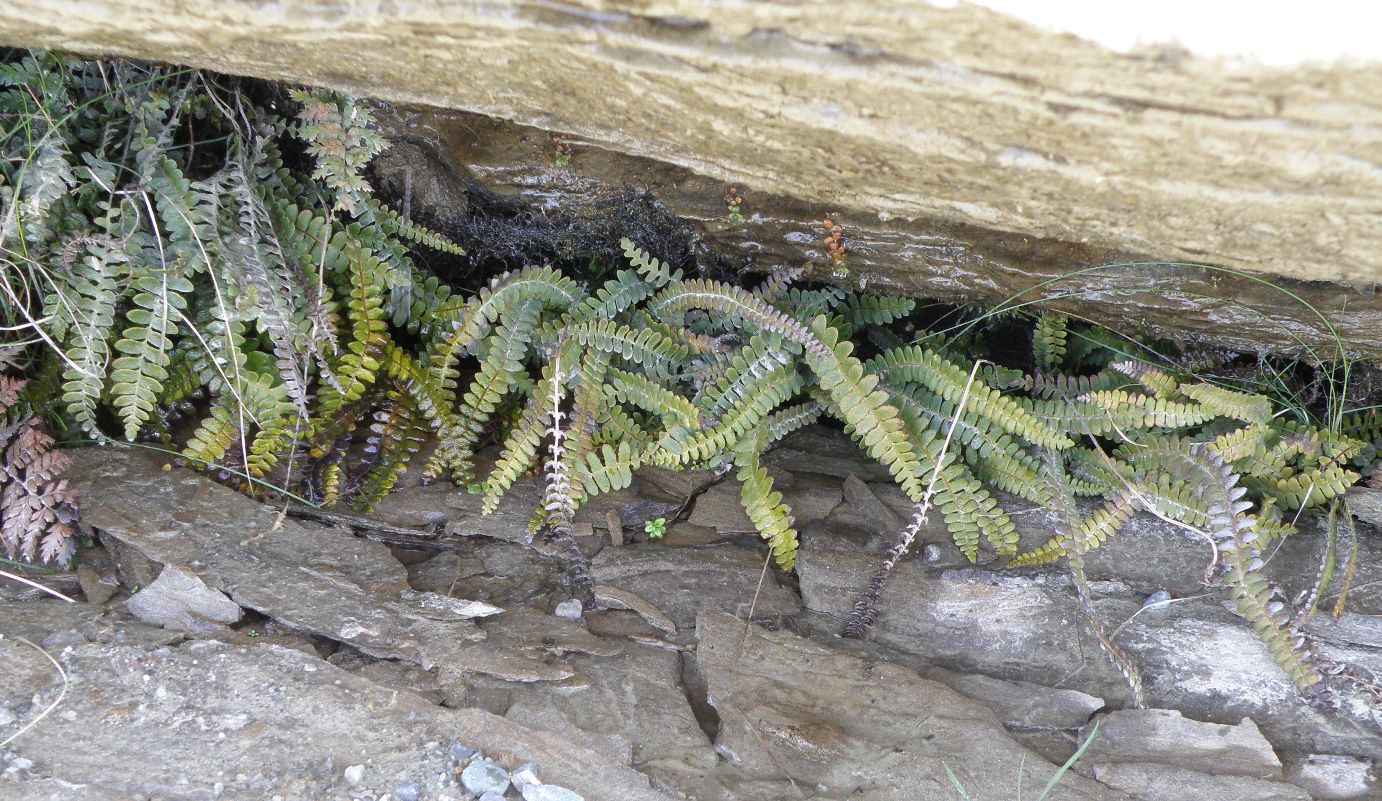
point(407, 792)
point(21, 763)
point(7, 716)
point(492, 797)
point(354, 774)
point(1158, 601)
point(484, 776)
point(549, 792)
point(459, 753)
point(523, 776)
point(570, 609)
point(931, 553)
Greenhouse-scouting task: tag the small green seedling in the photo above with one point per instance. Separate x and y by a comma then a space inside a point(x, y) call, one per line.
point(655, 528)
point(1050, 785)
point(478, 488)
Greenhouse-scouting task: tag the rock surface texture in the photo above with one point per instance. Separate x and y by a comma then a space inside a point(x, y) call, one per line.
point(965, 152)
point(351, 676)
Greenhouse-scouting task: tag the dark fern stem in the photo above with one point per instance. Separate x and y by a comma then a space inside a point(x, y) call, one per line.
point(865, 612)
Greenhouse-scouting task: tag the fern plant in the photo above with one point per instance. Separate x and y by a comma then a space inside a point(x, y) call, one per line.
point(39, 509)
point(282, 302)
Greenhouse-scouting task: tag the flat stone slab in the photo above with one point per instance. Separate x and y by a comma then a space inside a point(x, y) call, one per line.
point(858, 728)
point(259, 721)
point(683, 581)
point(1197, 656)
point(313, 579)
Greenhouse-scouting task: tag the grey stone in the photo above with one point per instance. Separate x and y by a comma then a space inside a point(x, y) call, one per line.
point(549, 792)
point(179, 599)
point(354, 774)
point(7, 716)
point(854, 727)
point(674, 485)
point(491, 797)
point(681, 581)
point(524, 775)
point(407, 792)
point(1166, 736)
point(864, 502)
point(1197, 657)
point(171, 722)
point(1366, 504)
point(313, 579)
point(459, 753)
point(635, 706)
point(485, 776)
point(1328, 776)
point(1157, 782)
point(721, 508)
point(569, 609)
point(59, 640)
point(1025, 705)
point(691, 534)
point(615, 598)
point(1158, 601)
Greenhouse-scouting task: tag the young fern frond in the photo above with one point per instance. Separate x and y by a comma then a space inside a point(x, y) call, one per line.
point(1048, 342)
point(765, 507)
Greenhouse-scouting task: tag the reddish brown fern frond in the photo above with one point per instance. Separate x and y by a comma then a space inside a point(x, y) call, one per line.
point(39, 509)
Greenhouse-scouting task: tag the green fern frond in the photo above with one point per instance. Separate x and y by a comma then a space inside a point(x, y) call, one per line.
point(864, 409)
point(499, 370)
point(1161, 384)
point(783, 422)
point(860, 310)
point(1227, 403)
point(519, 452)
point(924, 368)
point(1128, 411)
point(1091, 532)
point(137, 375)
point(610, 468)
point(645, 346)
point(652, 270)
point(396, 435)
point(1048, 342)
point(700, 293)
point(765, 507)
point(645, 394)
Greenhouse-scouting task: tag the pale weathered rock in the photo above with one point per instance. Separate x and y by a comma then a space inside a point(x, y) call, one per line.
point(1366, 504)
point(633, 700)
point(178, 599)
point(341, 587)
point(966, 152)
point(1196, 657)
point(1156, 782)
point(485, 776)
point(1327, 776)
point(683, 581)
point(1166, 736)
point(615, 598)
point(856, 727)
point(261, 720)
